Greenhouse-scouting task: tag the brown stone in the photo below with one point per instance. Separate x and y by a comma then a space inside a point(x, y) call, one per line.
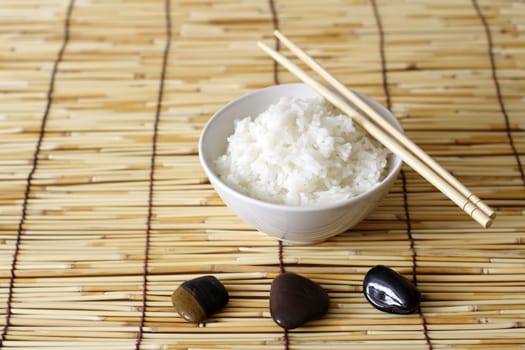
point(197, 299)
point(295, 300)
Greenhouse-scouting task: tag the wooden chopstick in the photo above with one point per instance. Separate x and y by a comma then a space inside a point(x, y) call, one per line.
point(376, 117)
point(386, 139)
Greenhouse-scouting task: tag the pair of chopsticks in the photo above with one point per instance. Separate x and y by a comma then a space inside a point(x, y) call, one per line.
point(370, 120)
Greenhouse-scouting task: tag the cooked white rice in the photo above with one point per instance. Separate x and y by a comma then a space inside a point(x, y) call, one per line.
point(301, 152)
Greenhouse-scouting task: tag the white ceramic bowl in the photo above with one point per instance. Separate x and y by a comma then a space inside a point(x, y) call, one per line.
point(294, 224)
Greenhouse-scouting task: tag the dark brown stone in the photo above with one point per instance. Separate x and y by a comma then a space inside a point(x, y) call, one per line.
point(295, 300)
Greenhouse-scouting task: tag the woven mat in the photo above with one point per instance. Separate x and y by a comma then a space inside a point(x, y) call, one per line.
point(105, 209)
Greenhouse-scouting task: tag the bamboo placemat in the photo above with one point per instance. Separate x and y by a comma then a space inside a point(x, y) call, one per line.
point(105, 208)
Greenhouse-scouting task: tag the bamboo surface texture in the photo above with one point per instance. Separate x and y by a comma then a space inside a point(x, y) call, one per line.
point(105, 210)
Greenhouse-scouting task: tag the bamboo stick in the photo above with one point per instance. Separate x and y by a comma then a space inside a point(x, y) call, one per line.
point(384, 124)
point(452, 193)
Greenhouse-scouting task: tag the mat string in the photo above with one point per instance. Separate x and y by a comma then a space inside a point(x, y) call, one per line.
point(275, 24)
point(34, 166)
point(499, 95)
point(165, 55)
point(408, 220)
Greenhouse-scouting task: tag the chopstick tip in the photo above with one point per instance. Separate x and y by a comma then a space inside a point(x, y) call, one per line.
point(478, 215)
point(262, 45)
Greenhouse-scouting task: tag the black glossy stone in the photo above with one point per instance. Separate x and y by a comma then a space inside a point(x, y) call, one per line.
point(197, 299)
point(295, 300)
point(390, 292)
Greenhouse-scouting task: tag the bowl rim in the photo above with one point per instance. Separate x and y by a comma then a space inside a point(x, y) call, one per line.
point(215, 180)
